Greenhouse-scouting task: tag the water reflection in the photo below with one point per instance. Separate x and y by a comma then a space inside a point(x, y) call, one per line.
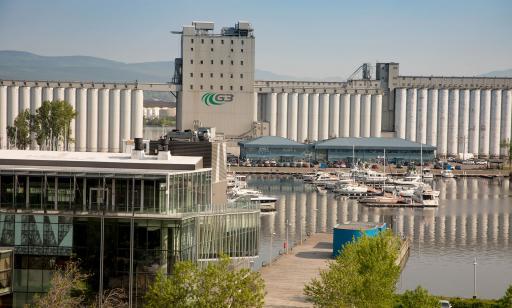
point(473, 219)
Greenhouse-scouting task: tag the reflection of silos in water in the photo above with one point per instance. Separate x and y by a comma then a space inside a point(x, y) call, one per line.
point(505, 185)
point(343, 211)
point(419, 232)
point(441, 229)
point(375, 214)
point(483, 227)
point(410, 226)
point(322, 215)
point(281, 216)
point(431, 227)
point(332, 210)
point(311, 218)
point(441, 186)
point(474, 189)
point(354, 211)
point(494, 227)
point(451, 194)
point(291, 210)
point(464, 189)
point(505, 228)
point(452, 225)
point(462, 229)
point(473, 226)
point(400, 221)
point(267, 225)
point(301, 216)
point(364, 214)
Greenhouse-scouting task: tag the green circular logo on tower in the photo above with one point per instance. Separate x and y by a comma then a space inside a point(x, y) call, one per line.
point(216, 99)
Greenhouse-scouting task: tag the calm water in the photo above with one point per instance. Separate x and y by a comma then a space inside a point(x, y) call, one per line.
point(474, 219)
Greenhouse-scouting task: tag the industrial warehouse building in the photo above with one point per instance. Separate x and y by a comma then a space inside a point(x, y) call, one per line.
point(215, 87)
point(124, 218)
point(336, 149)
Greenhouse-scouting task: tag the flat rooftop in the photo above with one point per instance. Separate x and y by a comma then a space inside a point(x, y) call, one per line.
point(94, 161)
point(358, 226)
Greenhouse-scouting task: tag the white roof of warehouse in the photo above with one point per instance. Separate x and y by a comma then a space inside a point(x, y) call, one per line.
point(64, 160)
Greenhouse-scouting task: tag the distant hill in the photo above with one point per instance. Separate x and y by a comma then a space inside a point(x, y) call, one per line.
point(25, 65)
point(500, 73)
point(29, 66)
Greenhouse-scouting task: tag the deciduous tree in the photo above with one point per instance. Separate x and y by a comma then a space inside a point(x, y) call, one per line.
point(19, 133)
point(363, 275)
point(216, 285)
point(417, 298)
point(67, 288)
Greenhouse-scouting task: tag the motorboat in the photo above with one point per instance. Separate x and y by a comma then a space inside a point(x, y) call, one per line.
point(426, 196)
point(372, 177)
point(324, 178)
point(321, 190)
point(244, 192)
point(236, 180)
point(240, 181)
point(351, 189)
point(266, 203)
point(408, 180)
point(310, 177)
point(427, 174)
point(447, 174)
point(407, 193)
point(381, 200)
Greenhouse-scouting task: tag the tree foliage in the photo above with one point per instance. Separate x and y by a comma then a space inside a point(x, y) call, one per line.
point(67, 288)
point(506, 300)
point(52, 123)
point(216, 285)
point(417, 298)
point(19, 133)
point(363, 275)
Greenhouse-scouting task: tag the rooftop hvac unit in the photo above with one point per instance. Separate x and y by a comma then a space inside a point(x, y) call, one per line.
point(203, 25)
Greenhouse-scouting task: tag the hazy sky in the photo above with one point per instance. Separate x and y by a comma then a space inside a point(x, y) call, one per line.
point(313, 38)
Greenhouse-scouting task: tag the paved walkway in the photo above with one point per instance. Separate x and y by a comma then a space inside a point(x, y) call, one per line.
point(286, 277)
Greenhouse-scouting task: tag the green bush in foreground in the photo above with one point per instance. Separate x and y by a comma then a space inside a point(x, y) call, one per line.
point(363, 275)
point(217, 285)
point(417, 298)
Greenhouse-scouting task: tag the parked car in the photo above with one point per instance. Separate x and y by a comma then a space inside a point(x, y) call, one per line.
point(445, 304)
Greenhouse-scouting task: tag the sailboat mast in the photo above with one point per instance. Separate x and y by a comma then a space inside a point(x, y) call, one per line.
point(421, 158)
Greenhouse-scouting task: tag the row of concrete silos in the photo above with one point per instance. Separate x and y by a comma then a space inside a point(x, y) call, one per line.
point(476, 121)
point(105, 117)
point(320, 116)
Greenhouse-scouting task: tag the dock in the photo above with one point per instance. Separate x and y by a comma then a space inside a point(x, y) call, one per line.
point(399, 205)
point(404, 252)
point(483, 173)
point(286, 277)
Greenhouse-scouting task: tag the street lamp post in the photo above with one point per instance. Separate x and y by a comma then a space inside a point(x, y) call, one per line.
point(286, 236)
point(474, 278)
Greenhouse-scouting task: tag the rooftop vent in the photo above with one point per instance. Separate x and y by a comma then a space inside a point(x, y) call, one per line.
point(138, 150)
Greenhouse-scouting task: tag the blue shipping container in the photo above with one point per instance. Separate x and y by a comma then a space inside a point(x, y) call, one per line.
point(345, 233)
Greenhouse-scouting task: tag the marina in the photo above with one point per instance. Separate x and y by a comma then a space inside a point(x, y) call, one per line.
point(473, 219)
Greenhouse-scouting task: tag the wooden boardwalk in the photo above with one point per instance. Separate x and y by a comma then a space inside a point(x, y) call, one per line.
point(286, 277)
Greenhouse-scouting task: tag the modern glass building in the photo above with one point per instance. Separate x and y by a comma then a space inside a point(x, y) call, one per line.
point(272, 148)
point(368, 149)
point(124, 219)
point(336, 149)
